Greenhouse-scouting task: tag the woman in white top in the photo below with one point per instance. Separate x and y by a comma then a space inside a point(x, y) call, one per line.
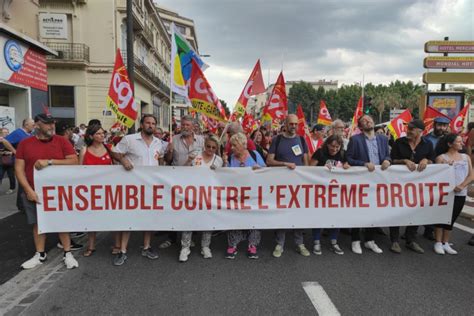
point(209, 158)
point(448, 149)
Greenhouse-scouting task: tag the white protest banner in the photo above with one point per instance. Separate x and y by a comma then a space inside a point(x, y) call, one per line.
point(100, 198)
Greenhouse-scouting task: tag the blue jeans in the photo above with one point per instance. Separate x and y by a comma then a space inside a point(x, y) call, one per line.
point(333, 233)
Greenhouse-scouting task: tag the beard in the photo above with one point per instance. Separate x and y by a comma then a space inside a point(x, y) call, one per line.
point(368, 129)
point(186, 133)
point(148, 131)
point(439, 132)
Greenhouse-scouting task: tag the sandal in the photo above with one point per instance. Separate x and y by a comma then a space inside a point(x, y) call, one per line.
point(115, 250)
point(89, 252)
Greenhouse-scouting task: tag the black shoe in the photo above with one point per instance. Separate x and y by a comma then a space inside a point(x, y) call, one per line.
point(471, 241)
point(77, 235)
point(74, 246)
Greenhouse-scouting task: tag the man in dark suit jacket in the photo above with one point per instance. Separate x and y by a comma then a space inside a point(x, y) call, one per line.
point(367, 149)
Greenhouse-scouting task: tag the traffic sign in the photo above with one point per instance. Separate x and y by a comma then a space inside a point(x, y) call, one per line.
point(449, 47)
point(449, 62)
point(448, 77)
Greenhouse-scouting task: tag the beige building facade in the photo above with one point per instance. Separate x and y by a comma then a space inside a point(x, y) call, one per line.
point(86, 35)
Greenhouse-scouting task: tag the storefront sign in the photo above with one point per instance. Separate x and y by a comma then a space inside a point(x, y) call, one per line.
point(20, 64)
point(53, 25)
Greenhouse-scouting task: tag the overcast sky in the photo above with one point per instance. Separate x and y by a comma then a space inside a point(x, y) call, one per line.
point(332, 40)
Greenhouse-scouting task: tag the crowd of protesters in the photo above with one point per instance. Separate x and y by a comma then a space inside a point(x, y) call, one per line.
point(43, 142)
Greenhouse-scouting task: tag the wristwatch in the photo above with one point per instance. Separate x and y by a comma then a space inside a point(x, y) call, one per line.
point(50, 162)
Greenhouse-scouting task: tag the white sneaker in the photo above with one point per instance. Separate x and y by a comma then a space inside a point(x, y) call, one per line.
point(317, 249)
point(438, 248)
point(356, 247)
point(183, 254)
point(206, 252)
point(372, 246)
point(34, 262)
point(70, 261)
point(450, 251)
point(8, 192)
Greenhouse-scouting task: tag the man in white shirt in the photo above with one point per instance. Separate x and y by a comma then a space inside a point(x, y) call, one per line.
point(140, 149)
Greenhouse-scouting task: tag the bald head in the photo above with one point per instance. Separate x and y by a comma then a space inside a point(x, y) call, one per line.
point(291, 124)
point(28, 125)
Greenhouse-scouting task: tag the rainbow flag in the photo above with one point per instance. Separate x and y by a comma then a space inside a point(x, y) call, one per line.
point(182, 53)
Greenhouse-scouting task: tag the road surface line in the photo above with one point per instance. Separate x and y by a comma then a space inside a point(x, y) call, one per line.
point(320, 299)
point(464, 228)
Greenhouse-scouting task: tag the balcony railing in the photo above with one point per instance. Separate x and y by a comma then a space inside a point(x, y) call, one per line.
point(146, 72)
point(70, 52)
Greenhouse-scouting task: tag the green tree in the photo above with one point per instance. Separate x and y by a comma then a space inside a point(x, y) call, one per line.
point(226, 109)
point(303, 93)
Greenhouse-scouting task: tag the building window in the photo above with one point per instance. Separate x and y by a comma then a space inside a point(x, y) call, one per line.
point(61, 96)
point(181, 29)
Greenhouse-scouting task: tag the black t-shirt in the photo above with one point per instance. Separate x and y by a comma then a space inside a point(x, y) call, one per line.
point(322, 157)
point(402, 150)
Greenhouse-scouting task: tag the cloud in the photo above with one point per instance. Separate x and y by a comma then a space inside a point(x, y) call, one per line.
point(334, 40)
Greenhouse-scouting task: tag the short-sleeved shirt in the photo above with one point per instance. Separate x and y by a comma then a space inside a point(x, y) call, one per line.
point(249, 162)
point(401, 150)
point(32, 149)
point(181, 150)
point(138, 152)
point(322, 157)
point(289, 149)
point(17, 136)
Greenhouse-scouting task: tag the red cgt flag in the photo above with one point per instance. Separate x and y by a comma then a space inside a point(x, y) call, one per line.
point(254, 86)
point(210, 124)
point(249, 124)
point(120, 98)
point(429, 116)
point(457, 124)
point(202, 97)
point(324, 117)
point(398, 126)
point(357, 114)
point(277, 104)
point(303, 131)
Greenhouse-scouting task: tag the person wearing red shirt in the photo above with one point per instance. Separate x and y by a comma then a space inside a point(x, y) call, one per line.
point(38, 152)
point(96, 153)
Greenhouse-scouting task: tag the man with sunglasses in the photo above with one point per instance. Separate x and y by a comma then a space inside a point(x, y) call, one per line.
point(416, 152)
point(289, 150)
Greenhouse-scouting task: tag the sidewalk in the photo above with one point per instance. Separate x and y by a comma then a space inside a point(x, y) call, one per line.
point(7, 202)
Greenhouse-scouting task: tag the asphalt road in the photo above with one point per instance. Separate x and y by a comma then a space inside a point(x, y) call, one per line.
point(388, 284)
point(408, 284)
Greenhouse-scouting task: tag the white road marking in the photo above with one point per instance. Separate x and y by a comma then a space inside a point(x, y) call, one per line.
point(465, 228)
point(320, 299)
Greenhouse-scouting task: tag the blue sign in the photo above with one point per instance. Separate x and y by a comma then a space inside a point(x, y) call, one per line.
point(13, 55)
